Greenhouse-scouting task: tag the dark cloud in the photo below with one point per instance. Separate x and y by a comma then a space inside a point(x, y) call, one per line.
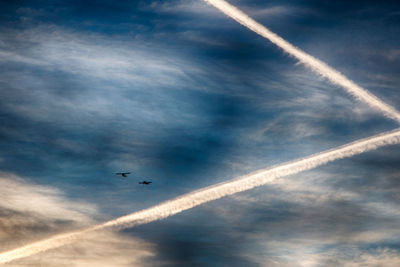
point(182, 244)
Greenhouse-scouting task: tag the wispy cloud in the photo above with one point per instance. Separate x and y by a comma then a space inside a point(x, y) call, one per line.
point(91, 55)
point(202, 196)
point(308, 220)
point(314, 64)
point(179, 7)
point(197, 7)
point(31, 212)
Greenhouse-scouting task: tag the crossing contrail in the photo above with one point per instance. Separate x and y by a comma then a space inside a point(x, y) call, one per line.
point(210, 193)
point(249, 181)
point(313, 63)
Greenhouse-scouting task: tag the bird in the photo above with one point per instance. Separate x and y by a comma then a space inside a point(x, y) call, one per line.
point(145, 182)
point(123, 174)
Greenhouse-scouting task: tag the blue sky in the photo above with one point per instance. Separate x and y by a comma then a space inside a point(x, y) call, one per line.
point(179, 94)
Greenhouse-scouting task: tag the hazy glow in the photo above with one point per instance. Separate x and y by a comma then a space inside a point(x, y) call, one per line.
point(210, 193)
point(314, 64)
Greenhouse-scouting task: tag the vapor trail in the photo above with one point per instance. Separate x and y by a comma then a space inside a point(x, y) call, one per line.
point(314, 64)
point(210, 193)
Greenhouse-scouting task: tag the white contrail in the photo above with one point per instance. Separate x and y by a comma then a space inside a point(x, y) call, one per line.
point(214, 192)
point(314, 64)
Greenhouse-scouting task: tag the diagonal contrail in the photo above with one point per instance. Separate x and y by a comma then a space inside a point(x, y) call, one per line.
point(250, 181)
point(314, 64)
point(214, 192)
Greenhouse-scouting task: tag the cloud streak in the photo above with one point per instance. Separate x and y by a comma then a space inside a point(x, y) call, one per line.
point(214, 192)
point(314, 64)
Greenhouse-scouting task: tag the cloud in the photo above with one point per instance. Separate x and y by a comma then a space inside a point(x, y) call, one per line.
point(69, 111)
point(179, 7)
point(72, 79)
point(343, 214)
point(56, 48)
point(199, 8)
point(101, 249)
point(383, 257)
point(300, 255)
point(31, 212)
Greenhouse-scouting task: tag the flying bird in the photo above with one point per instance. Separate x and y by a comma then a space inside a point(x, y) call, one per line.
point(123, 174)
point(145, 182)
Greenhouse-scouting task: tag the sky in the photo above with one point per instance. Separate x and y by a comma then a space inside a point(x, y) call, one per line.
point(177, 93)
